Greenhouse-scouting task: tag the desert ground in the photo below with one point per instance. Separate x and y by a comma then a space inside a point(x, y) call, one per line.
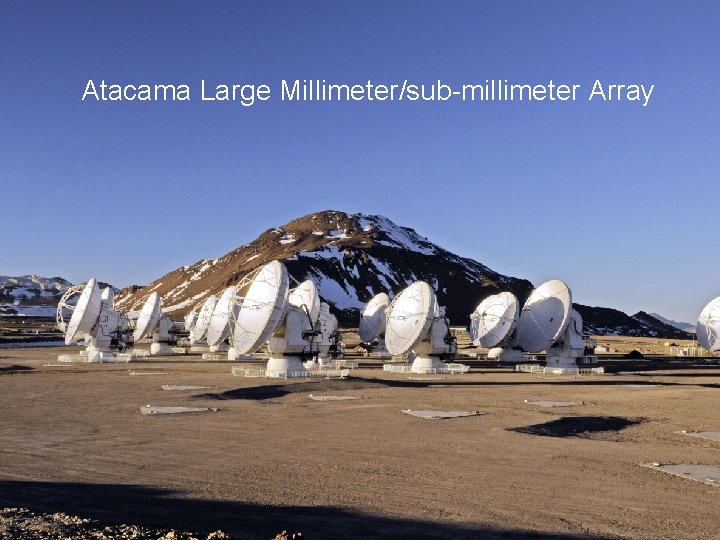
point(270, 459)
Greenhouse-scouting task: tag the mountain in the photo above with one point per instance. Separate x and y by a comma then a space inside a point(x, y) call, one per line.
point(31, 286)
point(31, 295)
point(685, 326)
point(352, 257)
point(612, 322)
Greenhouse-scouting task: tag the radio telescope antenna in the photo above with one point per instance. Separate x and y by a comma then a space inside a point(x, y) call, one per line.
point(66, 306)
point(149, 317)
point(262, 308)
point(493, 325)
point(544, 316)
point(708, 326)
point(415, 322)
point(549, 323)
point(408, 318)
point(191, 317)
point(372, 323)
point(86, 314)
point(226, 309)
point(199, 329)
point(151, 323)
point(94, 320)
point(494, 320)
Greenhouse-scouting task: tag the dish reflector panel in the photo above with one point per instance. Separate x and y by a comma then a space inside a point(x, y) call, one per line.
point(494, 319)
point(708, 326)
point(219, 326)
point(544, 317)
point(373, 317)
point(306, 294)
point(190, 319)
point(203, 319)
point(262, 308)
point(409, 318)
point(86, 314)
point(149, 317)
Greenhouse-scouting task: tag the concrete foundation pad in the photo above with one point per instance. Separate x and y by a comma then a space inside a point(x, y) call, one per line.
point(542, 403)
point(709, 435)
point(333, 398)
point(440, 415)
point(153, 409)
point(172, 387)
point(707, 474)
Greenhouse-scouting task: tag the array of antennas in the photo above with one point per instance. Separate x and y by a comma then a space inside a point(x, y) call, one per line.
point(547, 322)
point(298, 327)
point(262, 308)
point(412, 324)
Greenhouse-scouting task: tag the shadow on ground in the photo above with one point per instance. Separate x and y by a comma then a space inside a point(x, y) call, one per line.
point(579, 426)
point(277, 390)
point(151, 507)
point(15, 368)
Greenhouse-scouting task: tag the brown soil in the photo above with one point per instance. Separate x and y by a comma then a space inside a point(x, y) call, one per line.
point(74, 441)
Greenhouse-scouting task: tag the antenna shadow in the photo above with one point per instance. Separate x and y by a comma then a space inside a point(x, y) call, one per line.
point(163, 508)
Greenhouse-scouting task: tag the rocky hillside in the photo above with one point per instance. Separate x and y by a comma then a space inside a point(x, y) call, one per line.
point(687, 327)
point(31, 295)
point(353, 257)
point(611, 322)
point(350, 258)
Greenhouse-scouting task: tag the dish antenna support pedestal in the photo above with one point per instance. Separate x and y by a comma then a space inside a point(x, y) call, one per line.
point(565, 352)
point(162, 338)
point(329, 340)
point(298, 337)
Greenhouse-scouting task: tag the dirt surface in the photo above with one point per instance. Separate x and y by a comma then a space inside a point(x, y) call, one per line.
point(271, 459)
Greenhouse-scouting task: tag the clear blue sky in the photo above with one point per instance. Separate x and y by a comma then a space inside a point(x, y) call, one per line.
point(618, 200)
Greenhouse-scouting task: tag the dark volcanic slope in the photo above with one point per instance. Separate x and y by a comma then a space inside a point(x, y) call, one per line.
point(350, 257)
point(611, 322)
point(353, 257)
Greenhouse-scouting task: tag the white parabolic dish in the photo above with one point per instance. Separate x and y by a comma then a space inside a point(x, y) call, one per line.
point(219, 327)
point(494, 319)
point(306, 294)
point(372, 317)
point(262, 309)
point(190, 319)
point(149, 317)
point(544, 317)
point(203, 318)
point(87, 311)
point(708, 326)
point(409, 318)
